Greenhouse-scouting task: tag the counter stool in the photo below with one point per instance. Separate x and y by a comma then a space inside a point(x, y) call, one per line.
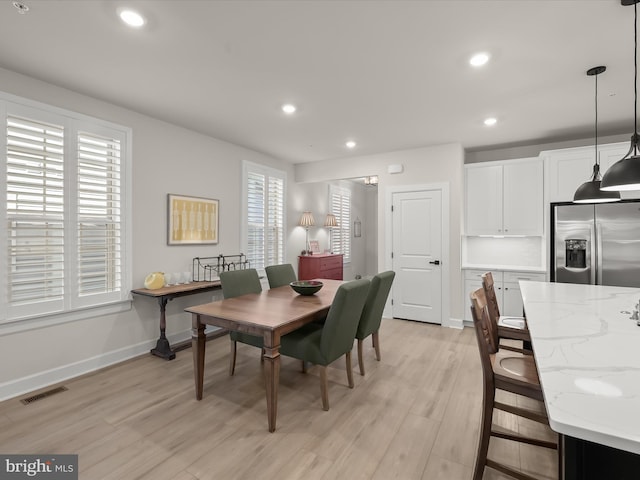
point(508, 371)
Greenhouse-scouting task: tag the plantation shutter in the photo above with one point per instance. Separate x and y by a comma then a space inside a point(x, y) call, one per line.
point(265, 217)
point(256, 194)
point(99, 268)
point(35, 214)
point(340, 206)
point(275, 223)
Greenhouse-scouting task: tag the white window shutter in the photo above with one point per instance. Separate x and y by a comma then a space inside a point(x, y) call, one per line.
point(35, 216)
point(340, 206)
point(99, 215)
point(265, 215)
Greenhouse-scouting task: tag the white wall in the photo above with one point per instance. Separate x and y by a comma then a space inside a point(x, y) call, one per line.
point(428, 165)
point(166, 159)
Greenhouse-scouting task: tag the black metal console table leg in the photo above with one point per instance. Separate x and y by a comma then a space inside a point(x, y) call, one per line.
point(163, 348)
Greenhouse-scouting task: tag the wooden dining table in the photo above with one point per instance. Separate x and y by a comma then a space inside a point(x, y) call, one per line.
point(269, 314)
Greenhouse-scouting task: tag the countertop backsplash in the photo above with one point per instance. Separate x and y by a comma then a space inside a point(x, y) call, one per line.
point(508, 253)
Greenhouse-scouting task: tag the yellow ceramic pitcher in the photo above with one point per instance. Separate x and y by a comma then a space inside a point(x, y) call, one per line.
point(154, 280)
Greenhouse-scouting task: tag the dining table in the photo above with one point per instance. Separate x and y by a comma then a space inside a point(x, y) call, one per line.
point(586, 345)
point(269, 314)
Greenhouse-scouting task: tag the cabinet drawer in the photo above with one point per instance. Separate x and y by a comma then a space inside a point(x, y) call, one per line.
point(477, 275)
point(330, 263)
point(333, 273)
point(515, 277)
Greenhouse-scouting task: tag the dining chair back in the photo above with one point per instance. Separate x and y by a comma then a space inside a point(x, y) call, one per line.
point(513, 328)
point(322, 344)
point(371, 317)
point(511, 372)
point(235, 283)
point(280, 275)
point(240, 282)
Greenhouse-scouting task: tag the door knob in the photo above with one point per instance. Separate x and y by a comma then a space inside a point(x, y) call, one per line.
point(435, 262)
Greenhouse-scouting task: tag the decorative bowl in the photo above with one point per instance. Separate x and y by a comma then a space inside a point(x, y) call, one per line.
point(306, 287)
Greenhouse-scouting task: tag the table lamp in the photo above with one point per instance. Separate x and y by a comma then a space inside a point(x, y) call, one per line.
point(307, 221)
point(330, 222)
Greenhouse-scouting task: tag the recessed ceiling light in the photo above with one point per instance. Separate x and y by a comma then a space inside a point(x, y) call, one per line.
point(132, 18)
point(22, 8)
point(479, 59)
point(350, 144)
point(489, 122)
point(289, 108)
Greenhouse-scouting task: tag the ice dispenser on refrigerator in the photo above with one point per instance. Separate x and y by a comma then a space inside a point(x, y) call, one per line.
point(575, 253)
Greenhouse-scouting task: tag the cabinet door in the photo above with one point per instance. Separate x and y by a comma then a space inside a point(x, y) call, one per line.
point(511, 295)
point(472, 282)
point(511, 300)
point(523, 197)
point(566, 170)
point(484, 200)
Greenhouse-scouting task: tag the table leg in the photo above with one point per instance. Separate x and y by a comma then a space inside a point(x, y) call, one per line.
point(272, 377)
point(163, 348)
point(198, 344)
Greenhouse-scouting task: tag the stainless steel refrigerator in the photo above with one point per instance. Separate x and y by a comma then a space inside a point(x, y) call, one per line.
point(596, 243)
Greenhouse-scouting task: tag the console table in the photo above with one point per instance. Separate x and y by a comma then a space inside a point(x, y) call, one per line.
point(164, 294)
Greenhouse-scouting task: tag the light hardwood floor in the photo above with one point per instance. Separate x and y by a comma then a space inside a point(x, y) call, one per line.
point(415, 415)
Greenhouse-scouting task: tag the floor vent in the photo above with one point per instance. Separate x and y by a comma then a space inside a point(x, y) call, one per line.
point(40, 396)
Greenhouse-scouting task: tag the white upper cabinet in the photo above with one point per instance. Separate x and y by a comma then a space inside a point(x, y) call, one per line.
point(569, 168)
point(505, 198)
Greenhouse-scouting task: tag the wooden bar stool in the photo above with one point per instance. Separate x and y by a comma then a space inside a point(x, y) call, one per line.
point(503, 370)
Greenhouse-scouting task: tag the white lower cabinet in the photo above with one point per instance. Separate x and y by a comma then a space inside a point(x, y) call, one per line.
point(506, 287)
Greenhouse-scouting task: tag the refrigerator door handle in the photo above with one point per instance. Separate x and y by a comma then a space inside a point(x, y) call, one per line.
point(598, 254)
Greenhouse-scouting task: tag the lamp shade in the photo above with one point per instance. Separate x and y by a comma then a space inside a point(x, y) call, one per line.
point(590, 192)
point(622, 175)
point(330, 221)
point(307, 220)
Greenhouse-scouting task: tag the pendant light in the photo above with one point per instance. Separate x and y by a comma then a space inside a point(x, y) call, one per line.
point(625, 173)
point(589, 192)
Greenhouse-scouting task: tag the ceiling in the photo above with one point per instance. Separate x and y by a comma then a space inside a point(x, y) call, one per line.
point(390, 75)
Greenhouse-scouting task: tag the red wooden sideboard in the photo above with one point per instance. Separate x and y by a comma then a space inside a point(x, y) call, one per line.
point(328, 265)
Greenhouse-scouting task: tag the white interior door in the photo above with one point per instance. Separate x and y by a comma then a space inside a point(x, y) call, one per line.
point(417, 255)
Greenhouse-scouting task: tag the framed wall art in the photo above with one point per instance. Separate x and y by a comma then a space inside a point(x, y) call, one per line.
point(191, 220)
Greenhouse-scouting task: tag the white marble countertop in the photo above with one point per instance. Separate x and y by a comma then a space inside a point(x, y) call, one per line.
point(588, 355)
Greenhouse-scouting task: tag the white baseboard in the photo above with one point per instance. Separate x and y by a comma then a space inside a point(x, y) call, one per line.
point(43, 379)
point(455, 323)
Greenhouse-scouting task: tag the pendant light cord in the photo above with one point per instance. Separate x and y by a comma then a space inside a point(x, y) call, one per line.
point(635, 77)
point(597, 159)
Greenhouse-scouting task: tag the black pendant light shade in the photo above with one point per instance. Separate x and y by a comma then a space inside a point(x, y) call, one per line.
point(590, 192)
point(625, 174)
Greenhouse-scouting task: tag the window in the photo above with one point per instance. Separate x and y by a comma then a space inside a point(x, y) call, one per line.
point(263, 227)
point(64, 246)
point(340, 206)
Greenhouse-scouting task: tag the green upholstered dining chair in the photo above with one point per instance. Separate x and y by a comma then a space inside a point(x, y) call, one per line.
point(235, 283)
point(372, 313)
point(322, 344)
point(279, 275)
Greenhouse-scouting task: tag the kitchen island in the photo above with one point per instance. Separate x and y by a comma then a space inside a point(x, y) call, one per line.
point(587, 350)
